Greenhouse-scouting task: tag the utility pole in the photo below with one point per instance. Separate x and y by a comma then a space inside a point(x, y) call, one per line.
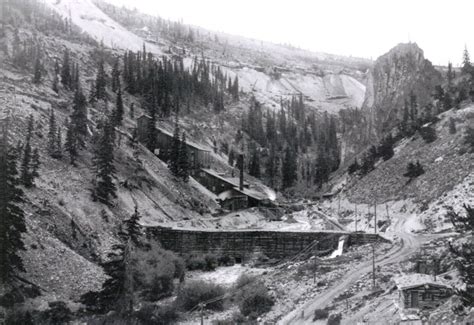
point(356, 217)
point(375, 217)
point(373, 267)
point(368, 216)
point(201, 311)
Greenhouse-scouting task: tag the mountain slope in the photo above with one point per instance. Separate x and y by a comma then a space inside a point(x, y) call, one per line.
point(86, 15)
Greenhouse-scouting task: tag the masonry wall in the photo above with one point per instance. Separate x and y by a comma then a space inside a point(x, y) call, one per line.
point(241, 244)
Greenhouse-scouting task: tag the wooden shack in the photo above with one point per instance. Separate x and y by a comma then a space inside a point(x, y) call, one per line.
point(421, 291)
point(199, 156)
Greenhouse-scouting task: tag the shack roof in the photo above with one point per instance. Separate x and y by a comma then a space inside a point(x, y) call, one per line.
point(409, 281)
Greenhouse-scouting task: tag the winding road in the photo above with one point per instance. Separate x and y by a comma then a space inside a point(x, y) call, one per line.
point(409, 243)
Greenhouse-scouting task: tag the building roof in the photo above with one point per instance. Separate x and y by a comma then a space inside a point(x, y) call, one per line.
point(170, 134)
point(415, 280)
point(234, 181)
point(189, 143)
point(229, 194)
point(252, 193)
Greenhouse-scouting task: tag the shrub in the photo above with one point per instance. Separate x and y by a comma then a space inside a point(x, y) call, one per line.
point(469, 138)
point(245, 280)
point(196, 292)
point(211, 262)
point(354, 167)
point(16, 317)
point(414, 170)
point(334, 319)
point(252, 297)
point(256, 301)
point(152, 314)
point(207, 262)
point(58, 313)
point(161, 286)
point(194, 262)
point(428, 133)
point(320, 314)
point(153, 270)
point(226, 260)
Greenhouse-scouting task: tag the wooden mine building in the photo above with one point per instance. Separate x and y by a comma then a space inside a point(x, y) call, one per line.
point(421, 291)
point(199, 156)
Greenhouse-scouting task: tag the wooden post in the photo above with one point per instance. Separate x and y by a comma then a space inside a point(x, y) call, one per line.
point(368, 216)
point(375, 217)
point(339, 207)
point(356, 217)
point(373, 267)
point(201, 311)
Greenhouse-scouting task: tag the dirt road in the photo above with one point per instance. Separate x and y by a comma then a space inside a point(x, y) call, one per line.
point(408, 244)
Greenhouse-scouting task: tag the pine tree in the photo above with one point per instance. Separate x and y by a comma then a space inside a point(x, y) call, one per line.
point(118, 113)
point(66, 71)
point(152, 133)
point(35, 164)
point(354, 167)
point(100, 83)
point(132, 110)
point(116, 76)
point(104, 187)
point(289, 168)
point(78, 122)
point(469, 138)
point(231, 157)
point(254, 166)
point(38, 71)
point(113, 289)
point(414, 170)
point(271, 167)
point(12, 221)
point(58, 148)
point(466, 62)
point(26, 178)
point(464, 255)
point(236, 89)
point(450, 76)
point(174, 154)
point(368, 162)
point(452, 126)
point(385, 149)
point(133, 228)
point(183, 160)
point(71, 142)
point(52, 134)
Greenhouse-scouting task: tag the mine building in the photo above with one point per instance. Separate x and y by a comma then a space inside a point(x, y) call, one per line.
point(422, 291)
point(199, 156)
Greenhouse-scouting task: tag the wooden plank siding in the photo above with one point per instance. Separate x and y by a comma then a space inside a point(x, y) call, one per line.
point(426, 296)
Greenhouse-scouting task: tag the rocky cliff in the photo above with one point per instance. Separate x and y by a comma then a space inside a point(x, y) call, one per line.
point(389, 83)
point(394, 75)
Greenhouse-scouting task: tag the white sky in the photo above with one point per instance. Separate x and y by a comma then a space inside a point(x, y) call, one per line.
point(363, 28)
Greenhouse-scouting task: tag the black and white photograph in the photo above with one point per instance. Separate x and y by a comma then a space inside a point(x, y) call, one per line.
point(206, 162)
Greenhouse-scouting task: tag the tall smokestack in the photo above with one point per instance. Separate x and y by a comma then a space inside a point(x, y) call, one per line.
point(241, 166)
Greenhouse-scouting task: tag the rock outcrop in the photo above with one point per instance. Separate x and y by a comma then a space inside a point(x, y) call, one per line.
point(394, 75)
point(390, 81)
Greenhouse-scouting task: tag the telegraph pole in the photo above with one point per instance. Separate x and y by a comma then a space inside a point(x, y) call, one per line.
point(201, 311)
point(375, 217)
point(373, 267)
point(356, 217)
